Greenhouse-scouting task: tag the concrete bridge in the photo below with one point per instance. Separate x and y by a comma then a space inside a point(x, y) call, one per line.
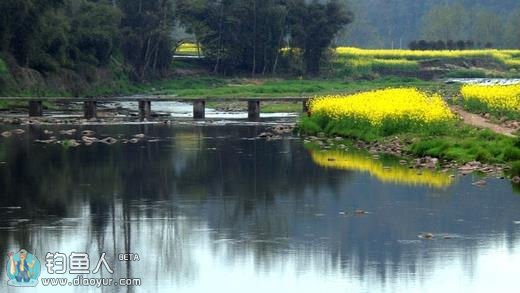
point(145, 102)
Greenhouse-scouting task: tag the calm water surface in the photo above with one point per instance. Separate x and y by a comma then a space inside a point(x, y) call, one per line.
point(208, 209)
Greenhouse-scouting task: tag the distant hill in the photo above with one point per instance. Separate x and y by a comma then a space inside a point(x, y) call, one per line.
point(381, 23)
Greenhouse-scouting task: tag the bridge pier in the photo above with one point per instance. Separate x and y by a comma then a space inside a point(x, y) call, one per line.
point(253, 110)
point(90, 109)
point(199, 109)
point(145, 110)
point(305, 104)
point(35, 108)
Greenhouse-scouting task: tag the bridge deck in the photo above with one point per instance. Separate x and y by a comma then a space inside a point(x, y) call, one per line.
point(155, 98)
point(144, 103)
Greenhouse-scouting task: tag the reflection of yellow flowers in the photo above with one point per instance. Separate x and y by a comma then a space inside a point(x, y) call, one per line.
point(403, 105)
point(496, 97)
point(395, 174)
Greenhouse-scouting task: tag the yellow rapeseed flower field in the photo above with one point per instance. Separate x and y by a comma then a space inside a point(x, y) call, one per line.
point(396, 174)
point(509, 58)
point(426, 54)
point(402, 105)
point(495, 98)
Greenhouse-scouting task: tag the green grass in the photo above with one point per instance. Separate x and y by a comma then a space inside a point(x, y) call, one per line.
point(5, 105)
point(475, 106)
point(208, 87)
point(266, 106)
point(454, 141)
point(463, 143)
point(281, 107)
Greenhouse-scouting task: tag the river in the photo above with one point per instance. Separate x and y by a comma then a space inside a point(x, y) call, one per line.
point(209, 208)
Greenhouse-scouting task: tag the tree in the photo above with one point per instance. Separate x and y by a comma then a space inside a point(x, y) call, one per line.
point(487, 27)
point(512, 32)
point(243, 35)
point(446, 22)
point(21, 24)
point(313, 26)
point(95, 33)
point(146, 35)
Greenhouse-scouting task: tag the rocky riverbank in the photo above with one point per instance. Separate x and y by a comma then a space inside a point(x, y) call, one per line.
point(397, 148)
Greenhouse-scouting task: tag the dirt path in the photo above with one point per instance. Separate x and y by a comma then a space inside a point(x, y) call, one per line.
point(481, 122)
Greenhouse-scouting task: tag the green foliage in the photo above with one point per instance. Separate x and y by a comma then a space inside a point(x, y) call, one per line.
point(512, 32)
point(515, 168)
point(512, 153)
point(94, 34)
point(237, 35)
point(146, 36)
point(449, 22)
point(313, 26)
point(3, 67)
point(84, 35)
point(249, 35)
point(360, 129)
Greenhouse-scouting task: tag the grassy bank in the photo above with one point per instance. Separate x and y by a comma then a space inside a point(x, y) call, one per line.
point(208, 86)
point(439, 135)
point(456, 142)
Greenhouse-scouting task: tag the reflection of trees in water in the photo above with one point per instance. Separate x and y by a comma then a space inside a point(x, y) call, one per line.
point(268, 198)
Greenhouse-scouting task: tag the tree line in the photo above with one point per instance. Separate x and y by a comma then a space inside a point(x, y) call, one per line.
point(79, 34)
point(236, 35)
point(448, 45)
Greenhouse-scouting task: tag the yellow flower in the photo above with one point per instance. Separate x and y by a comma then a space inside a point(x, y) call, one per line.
point(402, 57)
point(497, 97)
point(404, 105)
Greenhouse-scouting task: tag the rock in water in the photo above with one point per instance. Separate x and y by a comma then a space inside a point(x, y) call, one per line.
point(480, 183)
point(89, 140)
point(109, 140)
point(47, 141)
point(18, 131)
point(68, 132)
point(426, 235)
point(88, 133)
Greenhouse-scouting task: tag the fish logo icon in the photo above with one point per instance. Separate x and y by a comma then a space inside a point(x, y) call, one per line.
point(23, 269)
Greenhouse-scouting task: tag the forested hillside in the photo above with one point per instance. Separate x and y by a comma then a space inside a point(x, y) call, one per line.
point(395, 23)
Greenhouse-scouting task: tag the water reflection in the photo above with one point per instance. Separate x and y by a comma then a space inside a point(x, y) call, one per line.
point(386, 171)
point(208, 209)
